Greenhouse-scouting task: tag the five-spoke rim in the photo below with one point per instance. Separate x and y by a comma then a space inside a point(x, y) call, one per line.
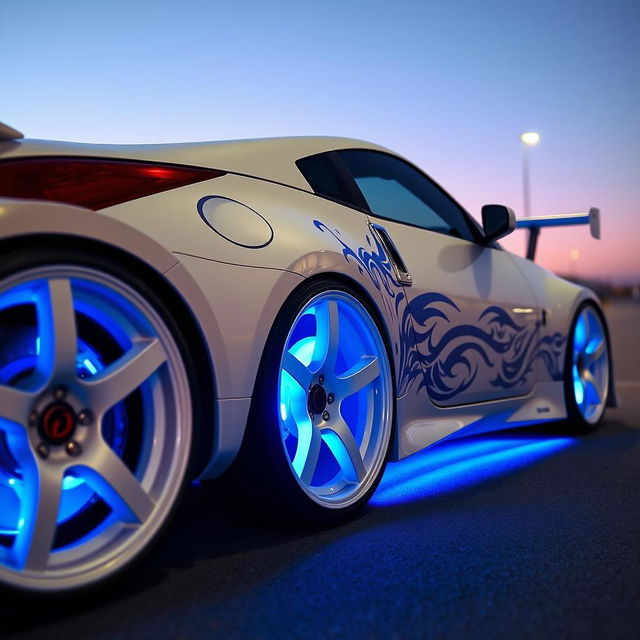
point(334, 399)
point(94, 441)
point(590, 365)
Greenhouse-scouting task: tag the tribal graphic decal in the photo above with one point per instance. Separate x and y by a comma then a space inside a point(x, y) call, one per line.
point(374, 262)
point(452, 353)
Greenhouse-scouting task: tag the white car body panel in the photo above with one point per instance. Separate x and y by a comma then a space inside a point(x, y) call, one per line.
point(235, 291)
point(268, 158)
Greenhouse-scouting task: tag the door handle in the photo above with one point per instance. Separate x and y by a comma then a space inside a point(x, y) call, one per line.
point(400, 272)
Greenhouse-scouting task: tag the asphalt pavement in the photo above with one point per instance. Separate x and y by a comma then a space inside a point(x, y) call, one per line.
point(528, 535)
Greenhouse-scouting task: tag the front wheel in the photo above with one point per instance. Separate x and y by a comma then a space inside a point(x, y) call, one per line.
point(321, 421)
point(588, 368)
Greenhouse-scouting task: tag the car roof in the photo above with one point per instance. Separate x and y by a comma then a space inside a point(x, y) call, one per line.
point(267, 158)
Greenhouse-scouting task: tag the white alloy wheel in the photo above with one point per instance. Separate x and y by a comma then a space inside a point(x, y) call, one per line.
point(95, 422)
point(589, 366)
point(335, 397)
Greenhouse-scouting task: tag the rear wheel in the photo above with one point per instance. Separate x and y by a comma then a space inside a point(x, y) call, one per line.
point(95, 419)
point(588, 368)
point(321, 420)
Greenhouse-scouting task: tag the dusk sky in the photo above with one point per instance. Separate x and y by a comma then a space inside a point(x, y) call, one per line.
point(450, 85)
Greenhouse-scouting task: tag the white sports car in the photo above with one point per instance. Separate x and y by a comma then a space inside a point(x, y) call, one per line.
point(294, 312)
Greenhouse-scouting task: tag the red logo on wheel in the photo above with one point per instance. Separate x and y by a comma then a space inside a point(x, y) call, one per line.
point(58, 423)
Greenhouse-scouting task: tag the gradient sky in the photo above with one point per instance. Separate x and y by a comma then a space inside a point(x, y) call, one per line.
point(450, 85)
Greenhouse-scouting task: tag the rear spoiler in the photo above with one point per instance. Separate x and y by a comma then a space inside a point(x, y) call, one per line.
point(9, 133)
point(535, 223)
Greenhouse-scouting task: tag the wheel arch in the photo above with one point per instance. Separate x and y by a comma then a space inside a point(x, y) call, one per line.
point(27, 224)
point(364, 295)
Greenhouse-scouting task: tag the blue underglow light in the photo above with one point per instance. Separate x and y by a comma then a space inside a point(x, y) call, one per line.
point(455, 464)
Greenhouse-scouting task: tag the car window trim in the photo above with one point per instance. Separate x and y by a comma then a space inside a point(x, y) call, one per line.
point(333, 156)
point(472, 225)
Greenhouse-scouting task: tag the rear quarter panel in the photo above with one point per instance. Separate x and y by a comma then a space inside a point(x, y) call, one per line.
point(312, 236)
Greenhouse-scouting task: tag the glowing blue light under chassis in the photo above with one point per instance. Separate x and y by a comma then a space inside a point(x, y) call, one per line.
point(459, 463)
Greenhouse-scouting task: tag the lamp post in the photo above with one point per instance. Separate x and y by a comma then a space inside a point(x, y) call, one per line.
point(528, 139)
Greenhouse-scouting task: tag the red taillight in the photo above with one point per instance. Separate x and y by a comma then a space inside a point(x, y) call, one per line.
point(93, 183)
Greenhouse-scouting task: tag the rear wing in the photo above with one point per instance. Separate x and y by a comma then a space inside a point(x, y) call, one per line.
point(535, 223)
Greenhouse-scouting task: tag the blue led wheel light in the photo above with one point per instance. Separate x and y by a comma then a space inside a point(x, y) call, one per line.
point(334, 399)
point(76, 495)
point(95, 424)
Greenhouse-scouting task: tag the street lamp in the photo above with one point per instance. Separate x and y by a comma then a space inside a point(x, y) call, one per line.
point(528, 139)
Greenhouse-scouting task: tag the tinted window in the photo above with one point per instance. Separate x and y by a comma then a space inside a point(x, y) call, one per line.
point(394, 189)
point(325, 179)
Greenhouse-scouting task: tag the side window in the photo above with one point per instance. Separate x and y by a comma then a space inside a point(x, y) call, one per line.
point(395, 190)
point(327, 179)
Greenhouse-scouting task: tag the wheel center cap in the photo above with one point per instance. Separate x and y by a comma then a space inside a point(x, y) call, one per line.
point(57, 423)
point(317, 399)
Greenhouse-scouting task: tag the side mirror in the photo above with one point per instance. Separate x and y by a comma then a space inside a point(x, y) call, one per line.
point(497, 221)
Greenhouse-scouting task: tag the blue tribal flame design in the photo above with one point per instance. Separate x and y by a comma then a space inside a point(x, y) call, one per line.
point(373, 261)
point(452, 361)
point(443, 354)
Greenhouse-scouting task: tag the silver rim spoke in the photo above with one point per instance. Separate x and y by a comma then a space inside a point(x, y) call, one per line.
point(110, 478)
point(296, 369)
point(327, 335)
point(593, 357)
point(126, 374)
point(306, 458)
point(58, 335)
point(590, 383)
point(342, 444)
point(43, 489)
point(360, 376)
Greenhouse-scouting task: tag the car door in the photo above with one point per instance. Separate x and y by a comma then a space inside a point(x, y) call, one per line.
point(473, 314)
